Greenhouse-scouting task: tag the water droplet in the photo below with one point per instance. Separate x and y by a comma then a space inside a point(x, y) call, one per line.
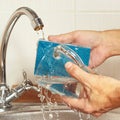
point(50, 116)
point(88, 117)
point(55, 104)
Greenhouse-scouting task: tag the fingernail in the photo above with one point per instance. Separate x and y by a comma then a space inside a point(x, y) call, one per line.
point(50, 36)
point(68, 65)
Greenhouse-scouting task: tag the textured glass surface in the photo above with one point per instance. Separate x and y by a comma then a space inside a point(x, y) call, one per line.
point(47, 64)
point(50, 71)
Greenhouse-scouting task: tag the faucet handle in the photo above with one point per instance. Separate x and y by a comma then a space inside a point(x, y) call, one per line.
point(28, 83)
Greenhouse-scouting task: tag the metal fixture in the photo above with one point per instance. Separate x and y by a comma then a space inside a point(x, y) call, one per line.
point(6, 95)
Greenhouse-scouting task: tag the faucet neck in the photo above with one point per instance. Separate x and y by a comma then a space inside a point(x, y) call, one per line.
point(5, 94)
point(3, 50)
point(36, 24)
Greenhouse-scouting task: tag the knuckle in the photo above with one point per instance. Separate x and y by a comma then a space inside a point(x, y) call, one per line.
point(89, 111)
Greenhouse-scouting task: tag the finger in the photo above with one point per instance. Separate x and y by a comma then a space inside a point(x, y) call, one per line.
point(75, 71)
point(84, 92)
point(73, 102)
point(97, 114)
point(78, 104)
point(81, 94)
point(63, 38)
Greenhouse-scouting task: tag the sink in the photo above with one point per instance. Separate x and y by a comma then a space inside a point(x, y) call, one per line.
point(23, 111)
point(33, 111)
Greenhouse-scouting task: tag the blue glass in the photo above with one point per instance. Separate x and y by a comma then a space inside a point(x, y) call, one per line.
point(49, 67)
point(46, 62)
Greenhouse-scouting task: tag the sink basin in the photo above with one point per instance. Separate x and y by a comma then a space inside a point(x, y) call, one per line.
point(23, 111)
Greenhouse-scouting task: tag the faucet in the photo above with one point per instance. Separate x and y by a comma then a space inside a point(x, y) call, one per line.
point(7, 95)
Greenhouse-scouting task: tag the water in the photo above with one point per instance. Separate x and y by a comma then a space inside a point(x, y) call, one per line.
point(45, 96)
point(41, 34)
point(71, 89)
point(50, 104)
point(67, 86)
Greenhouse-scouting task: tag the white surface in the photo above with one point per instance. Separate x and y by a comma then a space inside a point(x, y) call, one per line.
point(58, 16)
point(98, 5)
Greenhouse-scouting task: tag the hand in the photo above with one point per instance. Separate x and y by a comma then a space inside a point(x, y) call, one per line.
point(103, 44)
point(99, 95)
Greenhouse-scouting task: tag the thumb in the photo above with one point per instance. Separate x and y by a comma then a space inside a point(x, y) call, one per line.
point(76, 72)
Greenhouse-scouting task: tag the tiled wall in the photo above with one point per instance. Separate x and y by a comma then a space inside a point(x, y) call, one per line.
point(59, 16)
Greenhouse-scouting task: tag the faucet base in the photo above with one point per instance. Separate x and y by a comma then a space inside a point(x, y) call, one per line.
point(4, 91)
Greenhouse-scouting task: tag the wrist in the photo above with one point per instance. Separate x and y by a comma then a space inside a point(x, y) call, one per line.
point(111, 40)
point(116, 95)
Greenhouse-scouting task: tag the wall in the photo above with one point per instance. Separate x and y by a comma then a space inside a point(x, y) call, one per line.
point(59, 16)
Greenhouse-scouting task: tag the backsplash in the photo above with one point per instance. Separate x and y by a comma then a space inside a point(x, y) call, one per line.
point(58, 16)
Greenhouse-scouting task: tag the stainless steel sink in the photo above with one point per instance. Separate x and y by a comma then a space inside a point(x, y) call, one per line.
point(34, 112)
point(23, 111)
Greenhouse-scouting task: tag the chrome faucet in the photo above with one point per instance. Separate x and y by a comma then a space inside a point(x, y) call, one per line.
point(7, 95)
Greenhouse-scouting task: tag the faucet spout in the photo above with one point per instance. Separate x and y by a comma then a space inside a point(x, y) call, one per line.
point(36, 23)
point(5, 94)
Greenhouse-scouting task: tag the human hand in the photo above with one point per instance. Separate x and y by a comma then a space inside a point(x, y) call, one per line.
point(101, 43)
point(99, 94)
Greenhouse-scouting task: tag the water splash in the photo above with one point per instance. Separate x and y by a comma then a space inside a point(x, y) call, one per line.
point(45, 95)
point(51, 103)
